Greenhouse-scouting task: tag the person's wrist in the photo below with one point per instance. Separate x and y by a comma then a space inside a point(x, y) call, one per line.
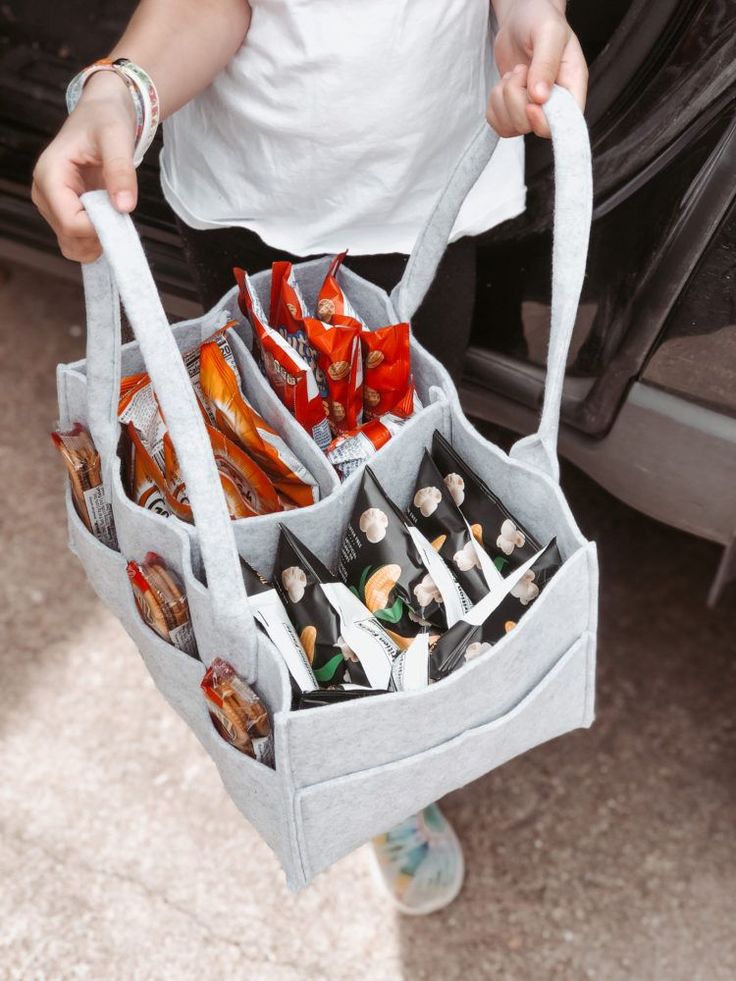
point(109, 88)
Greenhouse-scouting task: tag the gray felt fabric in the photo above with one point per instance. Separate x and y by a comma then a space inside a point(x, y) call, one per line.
point(345, 772)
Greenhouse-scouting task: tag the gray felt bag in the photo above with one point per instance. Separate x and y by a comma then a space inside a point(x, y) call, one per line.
point(349, 771)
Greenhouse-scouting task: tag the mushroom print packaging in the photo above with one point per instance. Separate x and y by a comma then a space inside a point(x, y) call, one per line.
point(495, 615)
point(503, 537)
point(434, 512)
point(395, 572)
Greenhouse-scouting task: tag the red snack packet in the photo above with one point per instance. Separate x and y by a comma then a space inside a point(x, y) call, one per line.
point(350, 450)
point(237, 712)
point(162, 602)
point(340, 360)
point(287, 314)
point(289, 374)
point(387, 371)
point(248, 490)
point(332, 303)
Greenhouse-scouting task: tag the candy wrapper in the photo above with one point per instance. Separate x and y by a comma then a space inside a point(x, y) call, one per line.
point(290, 376)
point(333, 306)
point(162, 602)
point(237, 712)
point(144, 482)
point(434, 512)
point(85, 476)
point(233, 415)
point(339, 358)
point(394, 570)
point(503, 537)
point(343, 641)
point(387, 380)
point(248, 491)
point(495, 615)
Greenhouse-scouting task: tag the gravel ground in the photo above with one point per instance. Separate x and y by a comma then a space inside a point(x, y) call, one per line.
point(605, 854)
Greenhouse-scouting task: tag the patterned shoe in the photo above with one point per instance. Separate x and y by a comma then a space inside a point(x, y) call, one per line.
point(420, 862)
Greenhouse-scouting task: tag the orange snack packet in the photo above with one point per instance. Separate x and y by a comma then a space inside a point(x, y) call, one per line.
point(387, 371)
point(248, 491)
point(85, 477)
point(291, 377)
point(341, 362)
point(232, 414)
point(332, 303)
point(144, 479)
point(162, 602)
point(237, 712)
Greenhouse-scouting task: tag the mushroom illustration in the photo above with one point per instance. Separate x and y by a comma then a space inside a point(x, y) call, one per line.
point(510, 537)
point(427, 499)
point(347, 652)
point(426, 592)
point(476, 649)
point(373, 523)
point(467, 557)
point(526, 589)
point(294, 581)
point(456, 486)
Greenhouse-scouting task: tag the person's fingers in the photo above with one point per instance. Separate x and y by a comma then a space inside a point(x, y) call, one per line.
point(118, 172)
point(59, 204)
point(573, 73)
point(537, 120)
point(548, 44)
point(497, 113)
point(516, 99)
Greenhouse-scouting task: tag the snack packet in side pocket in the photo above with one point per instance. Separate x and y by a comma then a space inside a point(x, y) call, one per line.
point(144, 481)
point(503, 537)
point(85, 477)
point(162, 602)
point(387, 378)
point(495, 615)
point(436, 515)
point(332, 302)
point(340, 361)
point(290, 376)
point(237, 712)
point(384, 562)
point(233, 415)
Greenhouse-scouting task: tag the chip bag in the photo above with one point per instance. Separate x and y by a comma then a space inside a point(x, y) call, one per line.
point(340, 361)
point(290, 376)
point(233, 415)
point(503, 537)
point(162, 602)
point(85, 476)
point(237, 712)
point(143, 479)
point(333, 306)
point(387, 378)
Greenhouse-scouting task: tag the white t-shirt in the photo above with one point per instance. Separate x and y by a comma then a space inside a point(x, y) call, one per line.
point(337, 124)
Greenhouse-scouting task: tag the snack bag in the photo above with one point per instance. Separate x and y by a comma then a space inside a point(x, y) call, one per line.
point(290, 376)
point(254, 582)
point(248, 490)
point(333, 306)
point(387, 378)
point(495, 615)
point(237, 712)
point(394, 570)
point(233, 415)
point(436, 515)
point(162, 602)
point(348, 451)
point(340, 361)
point(331, 696)
point(85, 476)
point(507, 542)
point(144, 481)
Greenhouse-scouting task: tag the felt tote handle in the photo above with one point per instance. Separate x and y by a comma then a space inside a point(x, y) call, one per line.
point(573, 209)
point(123, 274)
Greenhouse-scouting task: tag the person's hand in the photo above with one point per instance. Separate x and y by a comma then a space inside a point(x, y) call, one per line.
point(93, 149)
point(535, 48)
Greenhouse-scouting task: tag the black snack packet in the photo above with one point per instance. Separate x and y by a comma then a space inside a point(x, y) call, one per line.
point(380, 562)
point(468, 638)
point(507, 542)
point(331, 696)
point(434, 512)
point(254, 581)
point(297, 577)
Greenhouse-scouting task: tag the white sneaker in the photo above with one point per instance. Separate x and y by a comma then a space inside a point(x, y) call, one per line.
point(420, 862)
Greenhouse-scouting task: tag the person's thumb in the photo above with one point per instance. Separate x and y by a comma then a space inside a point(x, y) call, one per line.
point(118, 172)
point(548, 45)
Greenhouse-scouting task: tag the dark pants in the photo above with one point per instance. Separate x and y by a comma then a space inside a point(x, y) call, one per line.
point(442, 323)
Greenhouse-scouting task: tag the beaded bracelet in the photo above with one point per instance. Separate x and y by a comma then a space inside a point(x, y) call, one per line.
point(143, 93)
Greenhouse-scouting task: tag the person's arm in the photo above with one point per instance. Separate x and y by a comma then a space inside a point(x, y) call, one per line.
point(535, 47)
point(182, 44)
